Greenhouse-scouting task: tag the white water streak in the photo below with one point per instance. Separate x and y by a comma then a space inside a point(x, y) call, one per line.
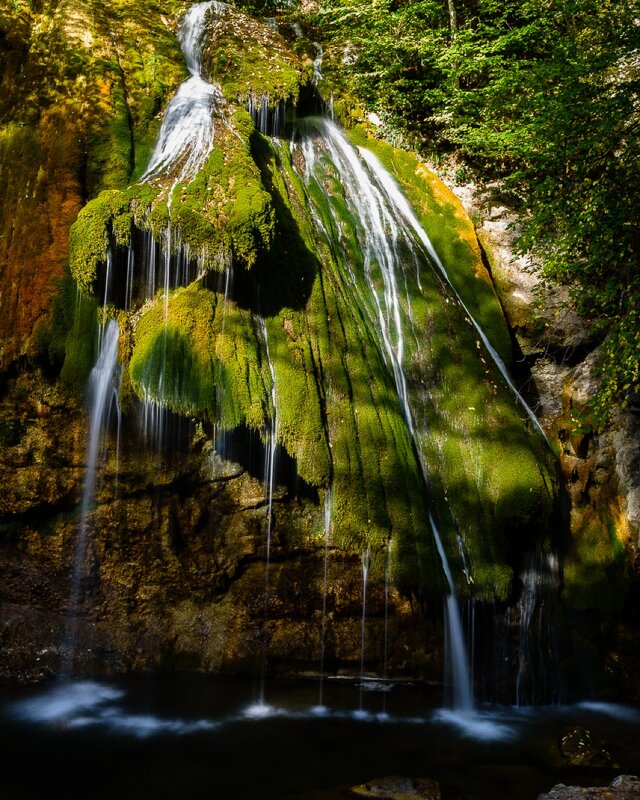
point(455, 649)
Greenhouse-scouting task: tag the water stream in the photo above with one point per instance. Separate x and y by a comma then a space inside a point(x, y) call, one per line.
point(103, 397)
point(323, 629)
point(269, 481)
point(381, 232)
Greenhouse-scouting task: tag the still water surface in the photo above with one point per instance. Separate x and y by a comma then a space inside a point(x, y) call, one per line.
point(189, 737)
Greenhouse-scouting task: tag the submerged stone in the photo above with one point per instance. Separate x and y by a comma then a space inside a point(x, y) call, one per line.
point(398, 788)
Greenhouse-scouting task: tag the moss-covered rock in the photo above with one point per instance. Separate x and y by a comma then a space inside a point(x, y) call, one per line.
point(485, 475)
point(304, 326)
point(250, 60)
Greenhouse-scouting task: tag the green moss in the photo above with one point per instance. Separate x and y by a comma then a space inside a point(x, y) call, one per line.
point(339, 410)
point(112, 212)
point(80, 344)
point(489, 483)
point(201, 359)
point(596, 569)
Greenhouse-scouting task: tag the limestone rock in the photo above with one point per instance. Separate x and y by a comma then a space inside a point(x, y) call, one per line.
point(624, 787)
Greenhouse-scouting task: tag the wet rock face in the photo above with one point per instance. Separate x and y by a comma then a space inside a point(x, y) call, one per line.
point(173, 574)
point(624, 787)
point(557, 369)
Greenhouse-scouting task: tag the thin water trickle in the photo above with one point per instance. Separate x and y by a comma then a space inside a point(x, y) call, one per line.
point(365, 579)
point(455, 648)
point(269, 480)
point(385, 655)
point(317, 64)
point(327, 530)
point(537, 679)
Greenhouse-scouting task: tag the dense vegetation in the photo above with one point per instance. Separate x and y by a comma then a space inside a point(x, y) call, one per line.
point(541, 95)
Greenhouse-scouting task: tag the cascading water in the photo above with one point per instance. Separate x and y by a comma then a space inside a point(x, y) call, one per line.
point(455, 649)
point(402, 207)
point(186, 135)
point(185, 141)
point(379, 235)
point(381, 217)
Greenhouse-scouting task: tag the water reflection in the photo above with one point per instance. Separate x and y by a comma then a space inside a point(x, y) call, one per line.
point(196, 736)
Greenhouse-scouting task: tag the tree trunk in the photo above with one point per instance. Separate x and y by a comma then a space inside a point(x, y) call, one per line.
point(453, 22)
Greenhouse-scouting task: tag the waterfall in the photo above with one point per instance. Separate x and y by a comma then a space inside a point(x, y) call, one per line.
point(317, 64)
point(379, 239)
point(268, 119)
point(385, 653)
point(186, 134)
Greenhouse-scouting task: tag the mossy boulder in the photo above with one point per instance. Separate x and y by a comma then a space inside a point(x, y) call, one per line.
point(200, 356)
point(251, 60)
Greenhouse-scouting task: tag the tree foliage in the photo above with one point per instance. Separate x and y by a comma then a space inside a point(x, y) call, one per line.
point(543, 94)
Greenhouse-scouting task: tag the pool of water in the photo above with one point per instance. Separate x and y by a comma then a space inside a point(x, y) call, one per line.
point(208, 737)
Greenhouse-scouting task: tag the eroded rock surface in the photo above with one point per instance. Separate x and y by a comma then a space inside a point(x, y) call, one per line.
point(624, 787)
